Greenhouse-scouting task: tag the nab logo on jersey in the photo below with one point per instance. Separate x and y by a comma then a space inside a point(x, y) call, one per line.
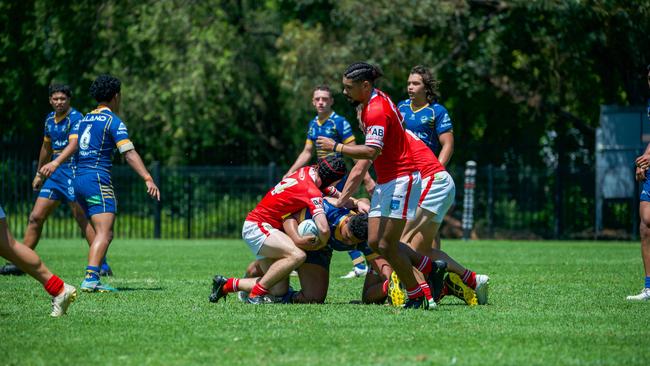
point(84, 141)
point(375, 131)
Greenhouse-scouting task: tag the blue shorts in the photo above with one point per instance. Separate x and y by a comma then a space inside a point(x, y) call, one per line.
point(2, 213)
point(94, 192)
point(58, 187)
point(321, 257)
point(645, 191)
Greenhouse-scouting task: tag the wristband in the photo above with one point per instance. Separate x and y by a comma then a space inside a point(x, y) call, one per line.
point(336, 144)
point(341, 149)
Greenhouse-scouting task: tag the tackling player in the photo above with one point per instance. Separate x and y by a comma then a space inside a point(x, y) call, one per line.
point(277, 254)
point(428, 119)
point(28, 261)
point(398, 180)
point(58, 187)
point(330, 124)
point(101, 132)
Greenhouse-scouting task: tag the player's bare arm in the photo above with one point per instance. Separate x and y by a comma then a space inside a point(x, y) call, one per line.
point(642, 164)
point(307, 242)
point(354, 181)
point(303, 158)
point(353, 151)
point(51, 167)
point(323, 228)
point(447, 150)
point(44, 156)
point(133, 159)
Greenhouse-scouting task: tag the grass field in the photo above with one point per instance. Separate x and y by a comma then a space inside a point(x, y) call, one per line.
point(551, 303)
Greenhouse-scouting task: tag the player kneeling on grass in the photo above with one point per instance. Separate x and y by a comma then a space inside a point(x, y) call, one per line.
point(28, 261)
point(278, 255)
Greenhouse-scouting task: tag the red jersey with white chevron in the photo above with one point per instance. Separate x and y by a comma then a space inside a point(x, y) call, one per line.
point(383, 124)
point(425, 160)
point(292, 194)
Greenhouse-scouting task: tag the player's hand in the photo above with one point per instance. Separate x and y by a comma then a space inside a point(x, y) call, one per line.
point(363, 206)
point(640, 174)
point(370, 186)
point(48, 169)
point(308, 242)
point(325, 143)
point(643, 161)
point(152, 189)
point(37, 183)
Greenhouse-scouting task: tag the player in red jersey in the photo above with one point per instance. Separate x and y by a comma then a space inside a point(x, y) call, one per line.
point(398, 180)
point(277, 254)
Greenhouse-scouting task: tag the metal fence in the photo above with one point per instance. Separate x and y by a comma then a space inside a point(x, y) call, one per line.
point(212, 201)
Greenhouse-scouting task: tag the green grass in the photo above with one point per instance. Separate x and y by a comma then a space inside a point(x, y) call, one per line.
point(551, 303)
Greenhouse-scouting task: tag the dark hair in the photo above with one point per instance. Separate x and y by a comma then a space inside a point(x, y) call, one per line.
point(60, 88)
point(104, 88)
point(648, 68)
point(330, 169)
point(362, 71)
point(323, 87)
point(359, 226)
point(430, 84)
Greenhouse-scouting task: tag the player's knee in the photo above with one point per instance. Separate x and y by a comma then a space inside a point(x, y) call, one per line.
point(298, 256)
point(386, 249)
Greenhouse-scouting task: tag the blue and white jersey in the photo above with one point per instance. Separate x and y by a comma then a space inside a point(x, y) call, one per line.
point(335, 127)
point(99, 133)
point(427, 123)
point(57, 133)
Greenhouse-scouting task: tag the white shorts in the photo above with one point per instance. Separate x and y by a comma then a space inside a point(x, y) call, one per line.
point(397, 199)
point(438, 194)
point(2, 213)
point(255, 234)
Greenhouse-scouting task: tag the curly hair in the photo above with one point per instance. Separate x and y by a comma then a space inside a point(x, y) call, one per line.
point(359, 226)
point(330, 169)
point(60, 88)
point(362, 71)
point(104, 88)
point(430, 84)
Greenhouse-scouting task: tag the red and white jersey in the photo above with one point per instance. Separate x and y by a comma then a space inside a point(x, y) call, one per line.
point(292, 194)
point(383, 125)
point(425, 160)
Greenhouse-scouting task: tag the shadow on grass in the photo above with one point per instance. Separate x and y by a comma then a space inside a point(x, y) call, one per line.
point(121, 289)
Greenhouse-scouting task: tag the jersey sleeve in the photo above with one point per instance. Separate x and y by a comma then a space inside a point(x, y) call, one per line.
point(46, 132)
point(442, 120)
point(121, 136)
point(345, 129)
point(375, 122)
point(315, 201)
point(311, 133)
point(74, 131)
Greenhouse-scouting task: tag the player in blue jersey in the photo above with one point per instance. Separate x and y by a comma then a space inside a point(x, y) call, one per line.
point(99, 133)
point(28, 261)
point(58, 187)
point(427, 118)
point(642, 175)
point(330, 124)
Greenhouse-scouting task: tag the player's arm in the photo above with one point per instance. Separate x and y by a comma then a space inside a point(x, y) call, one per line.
point(303, 158)
point(353, 151)
point(323, 228)
point(368, 182)
point(355, 178)
point(447, 147)
point(642, 164)
point(133, 159)
point(48, 169)
point(44, 157)
point(308, 242)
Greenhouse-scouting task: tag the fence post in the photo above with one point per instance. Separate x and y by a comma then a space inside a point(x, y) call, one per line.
point(490, 200)
point(468, 199)
point(189, 206)
point(157, 212)
point(271, 174)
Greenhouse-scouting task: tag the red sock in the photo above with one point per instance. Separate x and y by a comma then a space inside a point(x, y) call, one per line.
point(469, 278)
point(414, 292)
point(258, 290)
point(384, 288)
point(54, 285)
point(231, 285)
point(427, 290)
point(425, 265)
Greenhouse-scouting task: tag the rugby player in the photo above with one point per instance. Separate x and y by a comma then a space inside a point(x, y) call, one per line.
point(398, 180)
point(642, 175)
point(27, 260)
point(329, 123)
point(101, 132)
point(58, 187)
point(276, 253)
point(428, 119)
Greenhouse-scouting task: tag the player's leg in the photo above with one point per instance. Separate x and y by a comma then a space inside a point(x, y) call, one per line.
point(359, 267)
point(27, 260)
point(103, 225)
point(376, 285)
point(644, 230)
point(89, 233)
point(314, 283)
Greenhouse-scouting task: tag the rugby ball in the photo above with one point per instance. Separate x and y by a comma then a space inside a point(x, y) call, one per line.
point(308, 227)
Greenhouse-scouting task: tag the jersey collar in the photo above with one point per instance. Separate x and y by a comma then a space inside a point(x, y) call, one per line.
point(419, 109)
point(57, 120)
point(325, 120)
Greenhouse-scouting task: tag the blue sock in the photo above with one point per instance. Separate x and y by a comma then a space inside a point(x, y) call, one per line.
point(357, 259)
point(647, 281)
point(92, 273)
point(104, 264)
